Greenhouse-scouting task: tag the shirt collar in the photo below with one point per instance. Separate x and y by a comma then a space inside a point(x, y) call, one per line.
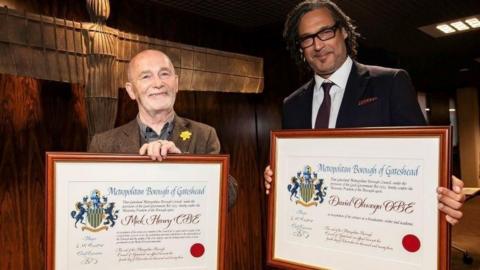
point(148, 134)
point(339, 77)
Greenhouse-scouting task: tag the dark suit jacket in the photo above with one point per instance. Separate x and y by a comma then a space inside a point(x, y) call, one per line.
point(374, 97)
point(126, 139)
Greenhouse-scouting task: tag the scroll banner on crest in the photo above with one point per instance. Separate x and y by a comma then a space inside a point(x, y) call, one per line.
point(128, 212)
point(359, 199)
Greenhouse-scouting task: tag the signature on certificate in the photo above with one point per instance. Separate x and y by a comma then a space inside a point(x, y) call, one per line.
point(300, 231)
point(88, 260)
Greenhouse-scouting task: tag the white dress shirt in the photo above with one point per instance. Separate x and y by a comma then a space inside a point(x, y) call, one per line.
point(339, 78)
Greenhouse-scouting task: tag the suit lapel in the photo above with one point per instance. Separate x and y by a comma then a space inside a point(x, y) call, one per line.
point(356, 85)
point(180, 125)
point(306, 99)
point(131, 138)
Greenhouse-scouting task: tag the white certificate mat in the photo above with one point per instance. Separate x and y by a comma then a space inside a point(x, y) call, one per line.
point(358, 199)
point(127, 212)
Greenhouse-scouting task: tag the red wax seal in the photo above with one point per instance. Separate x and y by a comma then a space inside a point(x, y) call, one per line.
point(411, 243)
point(197, 250)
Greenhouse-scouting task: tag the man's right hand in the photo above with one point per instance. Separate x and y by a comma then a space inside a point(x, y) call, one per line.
point(158, 150)
point(267, 175)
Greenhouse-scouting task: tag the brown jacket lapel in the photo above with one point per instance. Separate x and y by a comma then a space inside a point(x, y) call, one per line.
point(180, 125)
point(124, 139)
point(129, 137)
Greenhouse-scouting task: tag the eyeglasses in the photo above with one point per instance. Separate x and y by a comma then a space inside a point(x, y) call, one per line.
point(324, 34)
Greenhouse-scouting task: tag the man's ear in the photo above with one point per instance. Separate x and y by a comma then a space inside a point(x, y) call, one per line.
point(344, 33)
point(130, 91)
point(176, 83)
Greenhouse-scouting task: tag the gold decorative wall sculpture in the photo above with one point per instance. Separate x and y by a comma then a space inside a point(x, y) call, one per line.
point(101, 91)
point(54, 49)
point(96, 55)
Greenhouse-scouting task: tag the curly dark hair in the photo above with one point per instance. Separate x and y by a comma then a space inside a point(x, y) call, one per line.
point(290, 32)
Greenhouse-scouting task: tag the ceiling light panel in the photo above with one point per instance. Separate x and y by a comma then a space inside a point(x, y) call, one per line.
point(460, 26)
point(453, 27)
point(445, 28)
point(473, 22)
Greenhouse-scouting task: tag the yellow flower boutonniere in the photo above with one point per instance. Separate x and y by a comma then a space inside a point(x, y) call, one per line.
point(185, 135)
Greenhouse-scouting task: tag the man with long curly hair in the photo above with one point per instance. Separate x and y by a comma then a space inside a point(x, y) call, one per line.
point(344, 93)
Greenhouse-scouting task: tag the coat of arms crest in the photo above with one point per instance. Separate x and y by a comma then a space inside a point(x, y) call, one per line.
point(307, 188)
point(100, 213)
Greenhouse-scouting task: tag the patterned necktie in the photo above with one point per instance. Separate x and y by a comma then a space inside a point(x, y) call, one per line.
point(323, 114)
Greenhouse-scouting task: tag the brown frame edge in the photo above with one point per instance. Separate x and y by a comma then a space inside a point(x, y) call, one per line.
point(444, 134)
point(52, 157)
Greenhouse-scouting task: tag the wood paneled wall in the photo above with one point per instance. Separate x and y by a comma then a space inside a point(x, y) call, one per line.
point(469, 135)
point(38, 116)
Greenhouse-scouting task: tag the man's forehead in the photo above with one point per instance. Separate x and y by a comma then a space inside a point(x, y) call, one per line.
point(151, 61)
point(315, 20)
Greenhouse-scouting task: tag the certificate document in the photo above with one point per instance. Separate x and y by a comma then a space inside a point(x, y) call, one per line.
point(358, 199)
point(127, 212)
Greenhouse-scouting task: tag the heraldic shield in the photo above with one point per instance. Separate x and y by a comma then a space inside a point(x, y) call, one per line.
point(307, 188)
point(95, 217)
point(306, 191)
point(100, 213)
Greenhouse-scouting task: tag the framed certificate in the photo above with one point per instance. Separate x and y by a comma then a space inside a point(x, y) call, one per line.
point(128, 212)
point(359, 199)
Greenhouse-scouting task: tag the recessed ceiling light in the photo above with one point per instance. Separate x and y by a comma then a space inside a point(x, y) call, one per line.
point(445, 28)
point(460, 26)
point(473, 22)
point(452, 27)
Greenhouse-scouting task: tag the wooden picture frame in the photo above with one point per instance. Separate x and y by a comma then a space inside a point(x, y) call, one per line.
point(332, 205)
point(127, 211)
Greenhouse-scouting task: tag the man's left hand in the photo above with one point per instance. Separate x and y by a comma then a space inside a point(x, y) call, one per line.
point(450, 201)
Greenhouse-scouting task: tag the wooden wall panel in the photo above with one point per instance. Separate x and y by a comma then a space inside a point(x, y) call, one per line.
point(469, 135)
point(36, 116)
point(234, 114)
point(20, 185)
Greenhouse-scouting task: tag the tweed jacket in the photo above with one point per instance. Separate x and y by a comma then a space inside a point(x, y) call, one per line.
point(126, 139)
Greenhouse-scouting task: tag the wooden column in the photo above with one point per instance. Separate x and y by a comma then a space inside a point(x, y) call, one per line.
point(422, 101)
point(439, 109)
point(469, 135)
